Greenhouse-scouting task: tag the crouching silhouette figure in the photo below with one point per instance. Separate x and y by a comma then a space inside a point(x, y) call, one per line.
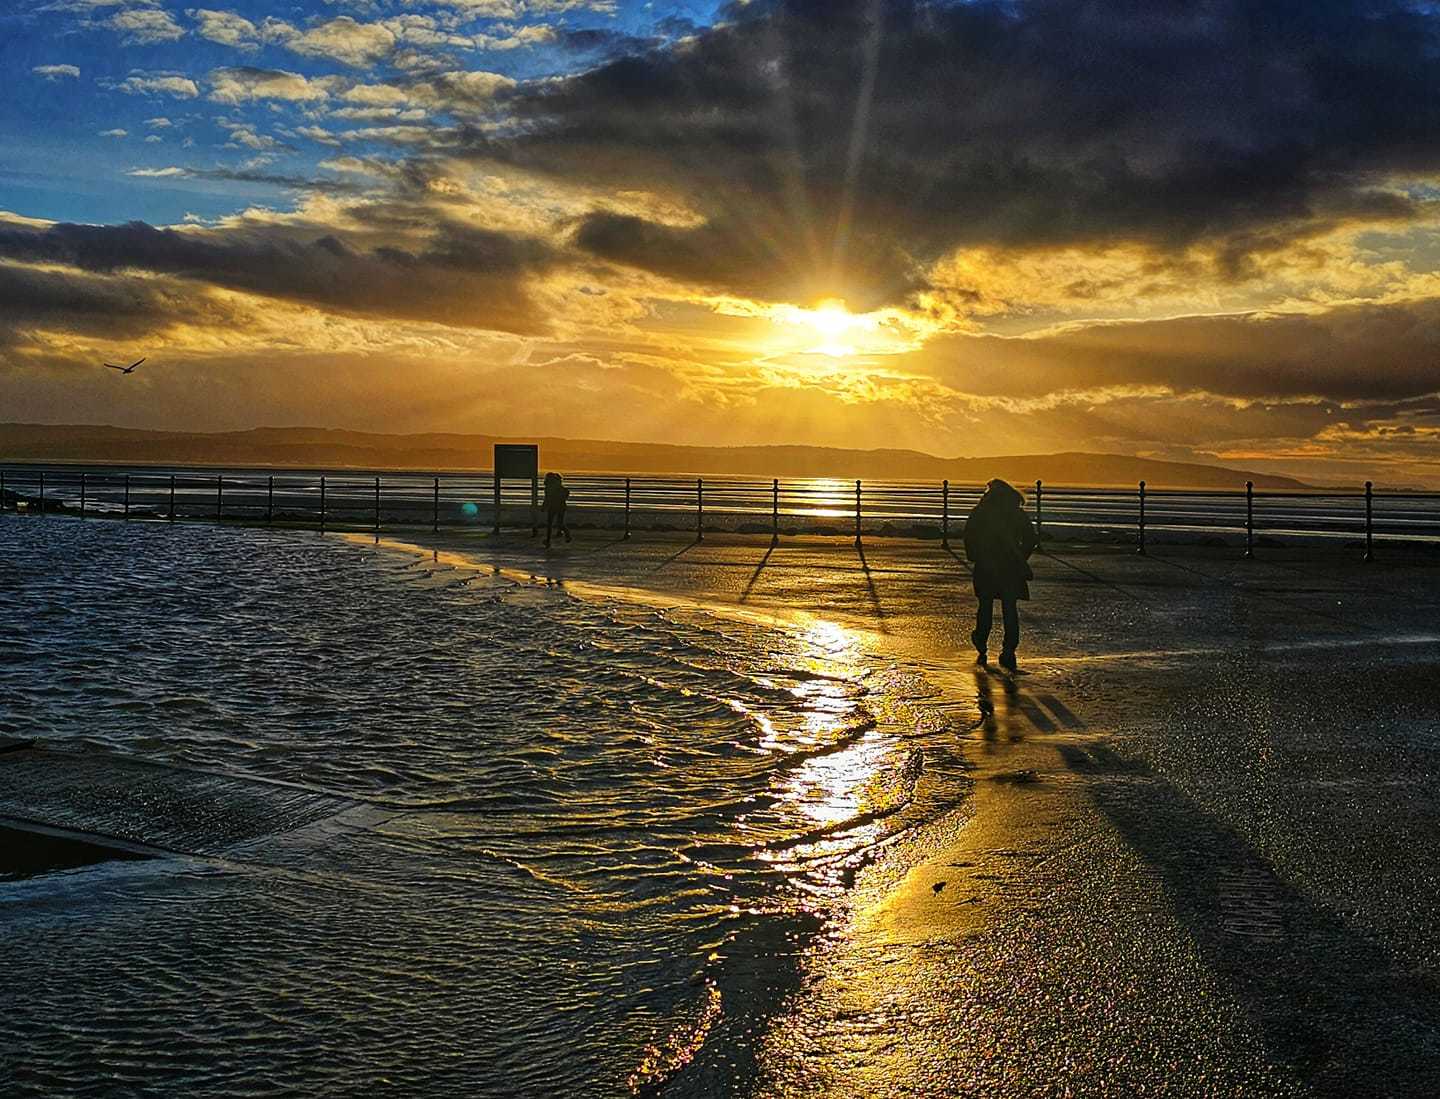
point(999, 540)
point(556, 494)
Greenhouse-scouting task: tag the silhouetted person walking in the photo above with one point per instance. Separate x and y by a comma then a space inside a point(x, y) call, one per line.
point(555, 496)
point(999, 540)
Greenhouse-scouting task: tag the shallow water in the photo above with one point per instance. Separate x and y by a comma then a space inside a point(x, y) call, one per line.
point(605, 831)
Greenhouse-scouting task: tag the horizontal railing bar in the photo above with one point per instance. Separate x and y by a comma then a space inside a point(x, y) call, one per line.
point(468, 499)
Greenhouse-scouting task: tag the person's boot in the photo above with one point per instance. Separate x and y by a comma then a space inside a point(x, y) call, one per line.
point(1007, 659)
point(982, 657)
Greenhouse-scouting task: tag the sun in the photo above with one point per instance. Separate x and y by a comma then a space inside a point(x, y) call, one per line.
point(839, 332)
point(827, 330)
point(831, 318)
point(832, 321)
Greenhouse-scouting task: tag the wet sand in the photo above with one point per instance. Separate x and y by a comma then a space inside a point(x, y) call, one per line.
point(1199, 858)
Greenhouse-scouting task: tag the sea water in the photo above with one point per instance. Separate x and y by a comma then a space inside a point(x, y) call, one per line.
point(603, 831)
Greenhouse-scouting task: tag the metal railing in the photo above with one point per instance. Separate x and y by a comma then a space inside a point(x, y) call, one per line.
point(349, 499)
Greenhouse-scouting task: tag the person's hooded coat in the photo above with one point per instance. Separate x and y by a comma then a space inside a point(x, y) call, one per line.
point(556, 494)
point(999, 539)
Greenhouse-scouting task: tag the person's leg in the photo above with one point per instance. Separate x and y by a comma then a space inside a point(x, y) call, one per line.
point(549, 523)
point(984, 618)
point(564, 527)
point(1010, 608)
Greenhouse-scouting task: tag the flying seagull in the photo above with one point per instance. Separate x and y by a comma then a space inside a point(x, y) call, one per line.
point(125, 369)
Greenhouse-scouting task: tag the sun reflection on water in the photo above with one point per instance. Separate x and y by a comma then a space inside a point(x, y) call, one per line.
point(845, 772)
point(840, 644)
point(831, 788)
point(825, 498)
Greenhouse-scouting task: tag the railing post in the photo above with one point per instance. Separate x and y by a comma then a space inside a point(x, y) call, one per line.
point(127, 493)
point(42, 494)
point(775, 512)
point(435, 508)
point(945, 514)
point(270, 499)
point(377, 505)
point(1141, 548)
point(322, 503)
point(495, 478)
point(627, 509)
point(219, 497)
point(1369, 521)
point(82, 495)
point(699, 509)
point(172, 498)
point(1039, 516)
point(1249, 518)
point(857, 513)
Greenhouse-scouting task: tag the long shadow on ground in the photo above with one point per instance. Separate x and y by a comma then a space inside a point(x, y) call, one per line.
point(1327, 1000)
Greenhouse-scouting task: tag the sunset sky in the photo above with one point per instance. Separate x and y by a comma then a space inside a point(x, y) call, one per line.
point(1192, 229)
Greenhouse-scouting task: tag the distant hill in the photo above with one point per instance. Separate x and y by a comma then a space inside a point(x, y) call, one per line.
point(325, 448)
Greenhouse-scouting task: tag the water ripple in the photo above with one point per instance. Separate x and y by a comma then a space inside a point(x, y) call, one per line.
point(615, 822)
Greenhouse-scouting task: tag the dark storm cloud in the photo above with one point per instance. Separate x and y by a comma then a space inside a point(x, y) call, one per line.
point(98, 305)
point(828, 133)
point(466, 277)
point(729, 254)
point(603, 42)
point(1350, 353)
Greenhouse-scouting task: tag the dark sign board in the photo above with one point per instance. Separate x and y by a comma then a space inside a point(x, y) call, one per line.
point(517, 460)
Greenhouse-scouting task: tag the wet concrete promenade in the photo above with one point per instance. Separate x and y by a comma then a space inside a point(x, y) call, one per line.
point(1201, 857)
point(1190, 851)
